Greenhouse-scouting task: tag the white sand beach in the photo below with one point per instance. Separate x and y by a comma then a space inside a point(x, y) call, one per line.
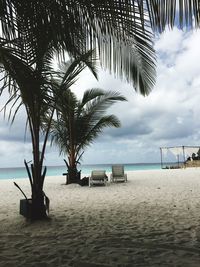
point(152, 220)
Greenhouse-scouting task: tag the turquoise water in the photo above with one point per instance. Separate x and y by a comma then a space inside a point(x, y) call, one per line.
point(13, 173)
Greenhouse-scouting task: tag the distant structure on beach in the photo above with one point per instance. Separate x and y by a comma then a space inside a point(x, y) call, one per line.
point(186, 156)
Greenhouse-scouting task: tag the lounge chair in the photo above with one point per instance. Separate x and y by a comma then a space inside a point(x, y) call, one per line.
point(98, 177)
point(118, 174)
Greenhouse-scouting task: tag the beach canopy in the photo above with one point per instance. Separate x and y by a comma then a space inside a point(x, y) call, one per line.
point(183, 151)
point(180, 150)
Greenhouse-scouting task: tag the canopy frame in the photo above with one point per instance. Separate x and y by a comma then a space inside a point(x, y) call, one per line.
point(183, 148)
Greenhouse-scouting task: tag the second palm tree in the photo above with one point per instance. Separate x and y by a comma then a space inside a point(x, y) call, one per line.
point(79, 122)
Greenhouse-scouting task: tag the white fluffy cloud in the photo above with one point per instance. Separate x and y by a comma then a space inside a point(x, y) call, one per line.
point(168, 116)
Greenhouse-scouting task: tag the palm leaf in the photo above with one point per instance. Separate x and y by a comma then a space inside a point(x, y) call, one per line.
point(115, 29)
point(95, 129)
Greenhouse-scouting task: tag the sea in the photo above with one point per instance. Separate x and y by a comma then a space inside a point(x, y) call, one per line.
point(20, 172)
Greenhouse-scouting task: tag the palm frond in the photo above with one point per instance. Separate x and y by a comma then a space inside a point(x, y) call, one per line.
point(98, 105)
point(182, 13)
point(70, 70)
point(33, 86)
point(95, 129)
point(90, 95)
point(115, 29)
point(57, 133)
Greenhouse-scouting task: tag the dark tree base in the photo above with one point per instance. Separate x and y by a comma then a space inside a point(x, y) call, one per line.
point(36, 211)
point(25, 208)
point(73, 178)
point(74, 181)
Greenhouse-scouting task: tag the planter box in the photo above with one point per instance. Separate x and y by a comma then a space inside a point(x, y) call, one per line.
point(25, 207)
point(75, 180)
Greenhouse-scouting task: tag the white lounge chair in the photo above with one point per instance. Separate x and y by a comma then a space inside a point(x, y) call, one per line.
point(98, 177)
point(118, 174)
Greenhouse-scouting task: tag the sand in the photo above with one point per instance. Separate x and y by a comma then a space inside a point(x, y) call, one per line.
point(152, 220)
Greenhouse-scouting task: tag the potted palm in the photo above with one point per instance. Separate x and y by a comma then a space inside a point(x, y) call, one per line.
point(79, 122)
point(31, 86)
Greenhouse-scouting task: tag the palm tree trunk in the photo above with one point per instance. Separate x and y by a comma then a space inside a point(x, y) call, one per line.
point(38, 210)
point(73, 174)
point(38, 205)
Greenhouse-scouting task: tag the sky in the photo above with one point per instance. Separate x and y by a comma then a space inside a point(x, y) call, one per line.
point(168, 116)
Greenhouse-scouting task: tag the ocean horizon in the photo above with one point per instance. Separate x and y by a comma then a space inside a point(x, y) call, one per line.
point(20, 172)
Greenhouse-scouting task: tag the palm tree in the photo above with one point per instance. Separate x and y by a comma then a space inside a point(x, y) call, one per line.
point(80, 122)
point(33, 87)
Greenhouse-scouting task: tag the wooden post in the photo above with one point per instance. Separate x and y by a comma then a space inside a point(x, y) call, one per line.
point(178, 160)
point(184, 157)
point(161, 158)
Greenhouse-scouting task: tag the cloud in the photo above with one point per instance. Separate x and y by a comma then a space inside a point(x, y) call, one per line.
point(169, 42)
point(168, 116)
point(170, 113)
point(13, 153)
point(16, 131)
